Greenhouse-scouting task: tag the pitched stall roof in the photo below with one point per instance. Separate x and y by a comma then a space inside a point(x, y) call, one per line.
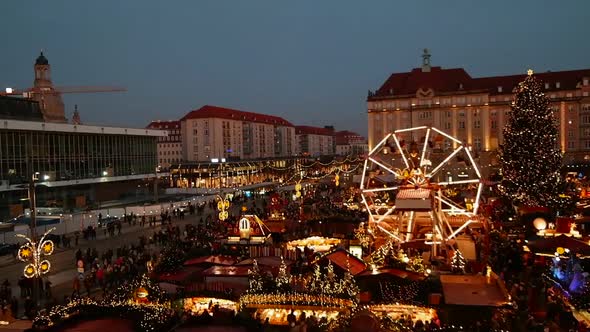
point(309, 130)
point(209, 111)
point(457, 80)
point(340, 256)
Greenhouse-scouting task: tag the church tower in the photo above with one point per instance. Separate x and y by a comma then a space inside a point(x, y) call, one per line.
point(49, 99)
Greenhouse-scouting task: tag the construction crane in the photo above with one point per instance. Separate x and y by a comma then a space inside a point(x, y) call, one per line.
point(30, 92)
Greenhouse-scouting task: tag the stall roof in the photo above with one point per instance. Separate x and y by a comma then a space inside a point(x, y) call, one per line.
point(179, 276)
point(473, 290)
point(396, 273)
point(226, 271)
point(214, 259)
point(549, 245)
point(265, 261)
point(340, 256)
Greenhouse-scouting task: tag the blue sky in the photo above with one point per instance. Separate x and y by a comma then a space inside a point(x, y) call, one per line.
point(310, 62)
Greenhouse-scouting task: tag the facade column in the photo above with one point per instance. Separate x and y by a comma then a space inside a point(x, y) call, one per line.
point(485, 128)
point(469, 125)
point(371, 133)
point(562, 126)
point(454, 124)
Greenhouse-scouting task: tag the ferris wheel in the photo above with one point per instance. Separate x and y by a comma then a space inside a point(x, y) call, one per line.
point(421, 183)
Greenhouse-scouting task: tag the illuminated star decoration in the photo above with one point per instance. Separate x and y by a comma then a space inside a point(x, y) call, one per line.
point(529, 72)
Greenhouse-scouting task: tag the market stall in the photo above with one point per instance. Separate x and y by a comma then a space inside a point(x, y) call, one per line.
point(317, 243)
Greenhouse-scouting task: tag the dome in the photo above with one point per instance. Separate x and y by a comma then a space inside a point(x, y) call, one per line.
point(41, 60)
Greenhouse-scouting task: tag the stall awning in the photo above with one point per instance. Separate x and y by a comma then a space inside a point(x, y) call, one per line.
point(343, 258)
point(473, 290)
point(214, 259)
point(178, 277)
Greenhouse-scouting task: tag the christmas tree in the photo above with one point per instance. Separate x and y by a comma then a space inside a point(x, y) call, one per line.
point(283, 281)
point(458, 262)
point(530, 156)
point(255, 279)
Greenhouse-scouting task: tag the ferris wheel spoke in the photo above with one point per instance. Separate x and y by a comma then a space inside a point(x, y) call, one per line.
point(382, 166)
point(473, 163)
point(364, 173)
point(477, 197)
point(376, 148)
point(447, 136)
point(449, 157)
point(373, 190)
point(401, 151)
point(425, 146)
point(446, 183)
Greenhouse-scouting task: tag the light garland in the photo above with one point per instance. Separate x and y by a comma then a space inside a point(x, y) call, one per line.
point(33, 252)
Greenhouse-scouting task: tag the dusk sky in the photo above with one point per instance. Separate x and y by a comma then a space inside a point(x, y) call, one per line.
point(310, 62)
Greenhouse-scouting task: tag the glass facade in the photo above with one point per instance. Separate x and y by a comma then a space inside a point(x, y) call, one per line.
point(64, 156)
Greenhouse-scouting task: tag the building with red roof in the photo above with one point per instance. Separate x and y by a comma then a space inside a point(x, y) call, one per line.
point(213, 132)
point(475, 109)
point(169, 146)
point(349, 143)
point(315, 141)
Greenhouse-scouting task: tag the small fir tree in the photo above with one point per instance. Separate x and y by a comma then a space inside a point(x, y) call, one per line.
point(349, 286)
point(530, 156)
point(458, 262)
point(316, 284)
point(283, 280)
point(256, 280)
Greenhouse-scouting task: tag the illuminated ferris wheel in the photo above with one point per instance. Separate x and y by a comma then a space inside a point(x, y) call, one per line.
point(421, 183)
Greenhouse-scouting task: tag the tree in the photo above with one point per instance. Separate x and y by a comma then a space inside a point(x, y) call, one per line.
point(530, 156)
point(256, 280)
point(283, 280)
point(458, 262)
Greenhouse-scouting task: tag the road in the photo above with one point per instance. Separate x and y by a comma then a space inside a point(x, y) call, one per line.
point(63, 265)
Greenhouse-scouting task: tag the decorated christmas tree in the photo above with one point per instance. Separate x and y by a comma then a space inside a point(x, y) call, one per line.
point(458, 262)
point(316, 284)
point(530, 155)
point(256, 280)
point(283, 281)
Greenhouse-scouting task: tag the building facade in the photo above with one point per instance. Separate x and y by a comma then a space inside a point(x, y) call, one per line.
point(350, 144)
point(72, 164)
point(475, 109)
point(315, 141)
point(213, 132)
point(49, 99)
point(169, 146)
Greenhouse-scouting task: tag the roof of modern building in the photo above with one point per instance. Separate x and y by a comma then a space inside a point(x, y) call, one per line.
point(209, 111)
point(41, 60)
point(158, 124)
point(309, 130)
point(72, 128)
point(457, 80)
point(13, 108)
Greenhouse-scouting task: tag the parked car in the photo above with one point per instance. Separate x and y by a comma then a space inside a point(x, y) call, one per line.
point(7, 249)
point(105, 222)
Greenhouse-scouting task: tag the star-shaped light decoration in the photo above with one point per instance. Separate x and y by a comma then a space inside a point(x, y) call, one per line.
point(529, 72)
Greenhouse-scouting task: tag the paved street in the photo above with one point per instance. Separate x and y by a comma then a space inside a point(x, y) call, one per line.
point(63, 268)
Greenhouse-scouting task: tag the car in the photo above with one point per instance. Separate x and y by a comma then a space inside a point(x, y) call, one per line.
point(7, 249)
point(184, 208)
point(105, 222)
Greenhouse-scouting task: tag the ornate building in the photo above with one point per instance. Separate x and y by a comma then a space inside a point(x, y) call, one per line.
point(474, 109)
point(49, 99)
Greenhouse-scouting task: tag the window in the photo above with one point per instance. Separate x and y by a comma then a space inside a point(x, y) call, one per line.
point(476, 124)
point(500, 89)
point(557, 85)
point(461, 124)
point(570, 133)
point(571, 145)
point(494, 124)
point(477, 143)
point(546, 86)
point(447, 125)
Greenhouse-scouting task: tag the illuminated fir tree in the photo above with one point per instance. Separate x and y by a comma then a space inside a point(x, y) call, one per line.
point(316, 284)
point(458, 262)
point(256, 280)
point(329, 281)
point(349, 286)
point(283, 280)
point(530, 156)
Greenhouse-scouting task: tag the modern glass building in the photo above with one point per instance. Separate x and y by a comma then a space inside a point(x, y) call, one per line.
point(68, 159)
